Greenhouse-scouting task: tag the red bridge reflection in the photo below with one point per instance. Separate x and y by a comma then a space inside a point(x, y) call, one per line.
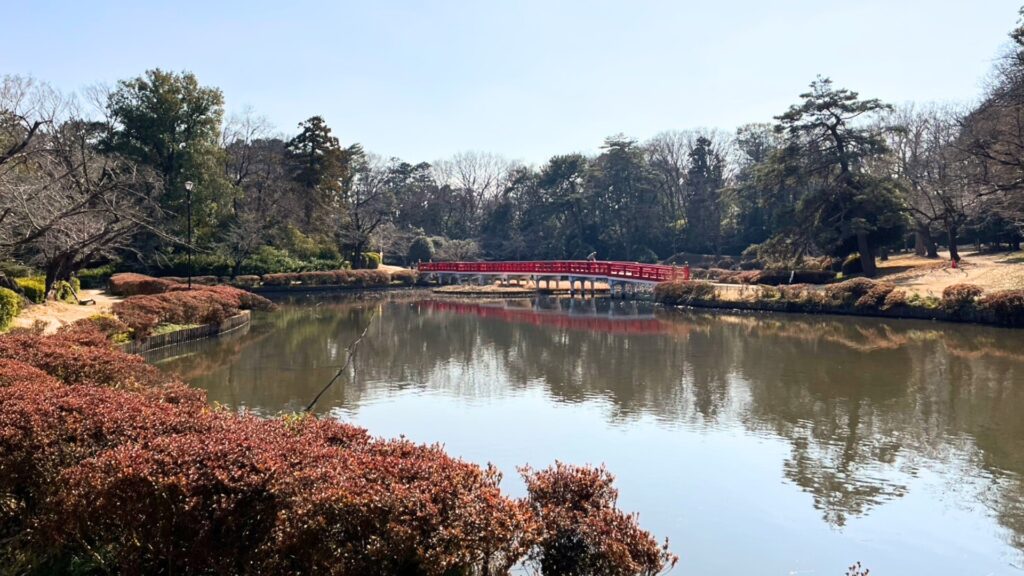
point(585, 320)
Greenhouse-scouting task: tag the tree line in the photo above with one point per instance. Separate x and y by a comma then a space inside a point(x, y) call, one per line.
point(100, 176)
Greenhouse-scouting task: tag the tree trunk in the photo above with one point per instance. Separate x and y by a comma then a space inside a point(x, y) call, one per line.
point(919, 249)
point(867, 255)
point(951, 237)
point(57, 270)
point(924, 244)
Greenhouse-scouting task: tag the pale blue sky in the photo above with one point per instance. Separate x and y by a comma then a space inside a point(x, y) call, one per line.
point(526, 79)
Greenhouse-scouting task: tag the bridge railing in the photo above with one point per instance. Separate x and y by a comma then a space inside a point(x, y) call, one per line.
point(606, 269)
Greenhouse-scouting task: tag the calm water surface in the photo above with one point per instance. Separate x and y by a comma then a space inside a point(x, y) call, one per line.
point(758, 444)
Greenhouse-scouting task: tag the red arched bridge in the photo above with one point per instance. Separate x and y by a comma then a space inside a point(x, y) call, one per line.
point(616, 274)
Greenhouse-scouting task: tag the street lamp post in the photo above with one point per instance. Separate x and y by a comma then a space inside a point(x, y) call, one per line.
point(188, 199)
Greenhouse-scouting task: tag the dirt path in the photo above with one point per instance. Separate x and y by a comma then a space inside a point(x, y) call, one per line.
point(57, 314)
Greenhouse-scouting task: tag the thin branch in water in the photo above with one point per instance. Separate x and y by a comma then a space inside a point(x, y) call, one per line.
point(351, 354)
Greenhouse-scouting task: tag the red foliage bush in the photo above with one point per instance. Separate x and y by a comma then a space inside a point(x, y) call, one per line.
point(317, 278)
point(164, 484)
point(96, 330)
point(159, 482)
point(202, 305)
point(1007, 307)
point(88, 361)
point(13, 372)
point(959, 297)
point(355, 278)
point(282, 279)
point(583, 532)
point(129, 284)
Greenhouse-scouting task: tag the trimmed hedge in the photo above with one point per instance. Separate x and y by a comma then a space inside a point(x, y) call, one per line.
point(355, 278)
point(131, 284)
point(683, 292)
point(201, 305)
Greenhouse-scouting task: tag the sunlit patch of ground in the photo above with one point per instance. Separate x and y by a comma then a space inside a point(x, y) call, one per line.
point(992, 272)
point(57, 314)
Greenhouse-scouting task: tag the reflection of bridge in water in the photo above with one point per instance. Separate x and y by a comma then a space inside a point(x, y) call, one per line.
point(571, 314)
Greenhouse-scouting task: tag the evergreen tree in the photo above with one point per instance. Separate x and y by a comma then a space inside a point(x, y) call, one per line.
point(170, 123)
point(322, 169)
point(840, 207)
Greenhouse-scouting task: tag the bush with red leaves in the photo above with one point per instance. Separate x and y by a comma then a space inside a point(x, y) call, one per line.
point(84, 361)
point(356, 278)
point(201, 305)
point(149, 479)
point(583, 532)
point(130, 284)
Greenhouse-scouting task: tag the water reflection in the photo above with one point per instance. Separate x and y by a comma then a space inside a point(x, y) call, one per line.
point(865, 407)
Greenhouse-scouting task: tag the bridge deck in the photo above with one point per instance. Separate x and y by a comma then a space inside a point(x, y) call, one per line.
point(626, 271)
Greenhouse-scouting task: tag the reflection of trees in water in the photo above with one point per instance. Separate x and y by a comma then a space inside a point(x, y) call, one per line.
point(864, 404)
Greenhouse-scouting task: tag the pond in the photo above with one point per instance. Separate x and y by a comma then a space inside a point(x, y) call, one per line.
point(759, 444)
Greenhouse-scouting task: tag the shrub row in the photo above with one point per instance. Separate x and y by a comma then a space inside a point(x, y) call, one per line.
point(358, 278)
point(131, 284)
point(178, 305)
point(959, 301)
point(683, 292)
point(148, 479)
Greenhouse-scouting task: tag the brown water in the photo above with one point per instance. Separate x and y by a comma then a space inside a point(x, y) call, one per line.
point(759, 444)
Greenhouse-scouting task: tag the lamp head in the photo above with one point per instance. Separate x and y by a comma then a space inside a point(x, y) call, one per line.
point(189, 185)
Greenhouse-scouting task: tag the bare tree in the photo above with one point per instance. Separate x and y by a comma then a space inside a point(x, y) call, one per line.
point(63, 204)
point(478, 176)
point(369, 202)
point(932, 169)
point(993, 134)
point(256, 164)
